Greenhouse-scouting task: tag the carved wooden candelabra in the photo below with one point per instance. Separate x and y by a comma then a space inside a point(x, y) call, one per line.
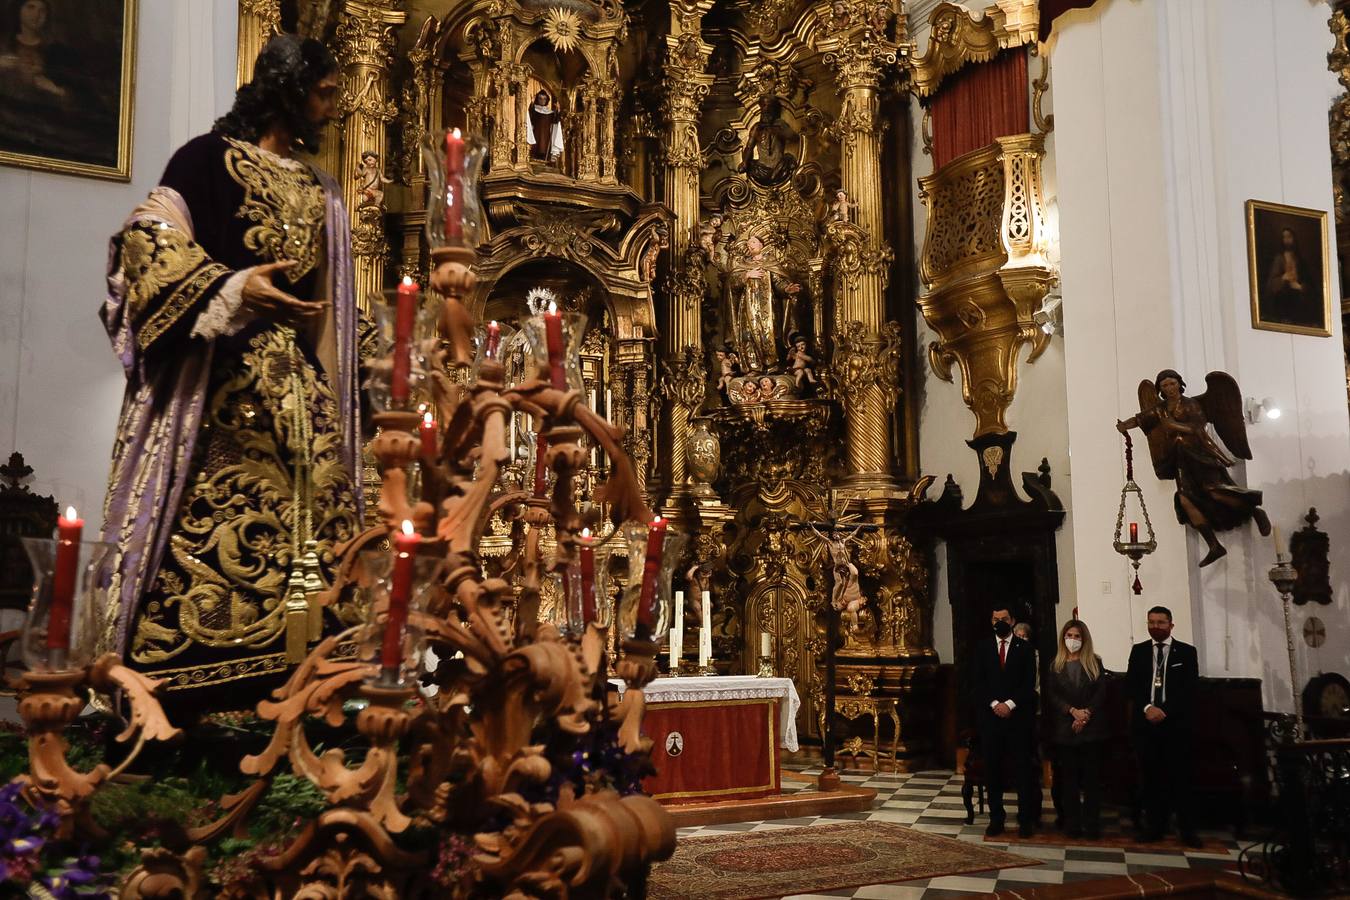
point(466, 758)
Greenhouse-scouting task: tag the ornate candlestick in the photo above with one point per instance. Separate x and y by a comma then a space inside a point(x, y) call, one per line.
point(1283, 575)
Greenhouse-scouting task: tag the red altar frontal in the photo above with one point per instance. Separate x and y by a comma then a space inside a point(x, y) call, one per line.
point(717, 737)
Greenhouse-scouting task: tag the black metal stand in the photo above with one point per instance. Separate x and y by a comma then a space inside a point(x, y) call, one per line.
point(829, 776)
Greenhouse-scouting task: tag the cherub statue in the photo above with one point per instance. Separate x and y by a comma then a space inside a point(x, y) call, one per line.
point(729, 366)
point(842, 208)
point(1207, 499)
point(710, 234)
point(370, 181)
point(801, 364)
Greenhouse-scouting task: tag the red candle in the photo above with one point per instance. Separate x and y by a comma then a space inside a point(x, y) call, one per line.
point(651, 570)
point(454, 185)
point(68, 529)
point(494, 339)
point(1134, 532)
point(540, 468)
point(587, 577)
point(428, 434)
point(405, 551)
point(404, 316)
point(553, 332)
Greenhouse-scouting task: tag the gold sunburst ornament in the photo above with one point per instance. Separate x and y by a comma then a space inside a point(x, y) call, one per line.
point(562, 27)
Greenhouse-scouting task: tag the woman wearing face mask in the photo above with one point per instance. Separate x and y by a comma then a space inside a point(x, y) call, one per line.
point(1075, 693)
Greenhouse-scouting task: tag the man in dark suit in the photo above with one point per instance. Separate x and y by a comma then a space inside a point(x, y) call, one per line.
point(1005, 715)
point(1160, 684)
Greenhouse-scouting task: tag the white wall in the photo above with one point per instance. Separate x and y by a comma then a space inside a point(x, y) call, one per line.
point(60, 386)
point(1168, 116)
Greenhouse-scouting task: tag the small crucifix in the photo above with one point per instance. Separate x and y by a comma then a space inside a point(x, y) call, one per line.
point(837, 530)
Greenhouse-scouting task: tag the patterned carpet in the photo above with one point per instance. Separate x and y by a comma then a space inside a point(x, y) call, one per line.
point(931, 802)
point(850, 854)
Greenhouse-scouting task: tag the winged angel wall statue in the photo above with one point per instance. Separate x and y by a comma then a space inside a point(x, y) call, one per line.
point(1183, 449)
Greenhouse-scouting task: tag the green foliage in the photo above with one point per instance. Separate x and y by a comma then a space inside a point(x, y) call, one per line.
point(128, 809)
point(289, 800)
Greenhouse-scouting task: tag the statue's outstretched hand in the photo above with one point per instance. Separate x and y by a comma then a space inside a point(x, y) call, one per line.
point(267, 301)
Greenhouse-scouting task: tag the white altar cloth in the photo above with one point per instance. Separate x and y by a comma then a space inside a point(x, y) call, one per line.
point(688, 688)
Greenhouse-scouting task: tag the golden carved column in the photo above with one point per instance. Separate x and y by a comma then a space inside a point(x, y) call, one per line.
point(687, 85)
point(416, 124)
point(504, 129)
point(588, 168)
point(365, 39)
point(258, 21)
point(519, 105)
point(858, 59)
point(609, 93)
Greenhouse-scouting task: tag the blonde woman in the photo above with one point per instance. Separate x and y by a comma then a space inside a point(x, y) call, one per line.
point(1075, 694)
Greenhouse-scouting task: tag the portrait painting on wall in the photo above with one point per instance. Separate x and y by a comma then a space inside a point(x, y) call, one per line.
point(1288, 266)
point(67, 72)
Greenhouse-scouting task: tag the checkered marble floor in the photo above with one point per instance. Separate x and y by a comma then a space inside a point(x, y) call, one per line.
point(931, 801)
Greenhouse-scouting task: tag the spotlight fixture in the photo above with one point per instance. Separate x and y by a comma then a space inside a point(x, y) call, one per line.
point(1258, 411)
point(1050, 317)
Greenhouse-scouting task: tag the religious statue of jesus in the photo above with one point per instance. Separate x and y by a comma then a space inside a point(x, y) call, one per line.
point(238, 449)
point(543, 129)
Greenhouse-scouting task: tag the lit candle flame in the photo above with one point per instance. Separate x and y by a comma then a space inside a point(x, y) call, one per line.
point(70, 514)
point(586, 533)
point(656, 521)
point(407, 527)
point(456, 132)
point(407, 279)
point(552, 307)
point(426, 418)
point(494, 323)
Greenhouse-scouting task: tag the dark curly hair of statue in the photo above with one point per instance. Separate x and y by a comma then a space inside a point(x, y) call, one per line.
point(1169, 373)
point(288, 68)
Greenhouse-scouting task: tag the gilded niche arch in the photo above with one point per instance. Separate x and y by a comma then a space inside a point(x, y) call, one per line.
point(619, 256)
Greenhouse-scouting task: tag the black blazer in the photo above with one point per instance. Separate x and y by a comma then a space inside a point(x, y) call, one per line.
point(1183, 673)
point(1016, 681)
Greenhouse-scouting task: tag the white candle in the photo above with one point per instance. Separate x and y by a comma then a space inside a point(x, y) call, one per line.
point(678, 621)
point(704, 647)
point(707, 612)
point(674, 650)
point(764, 645)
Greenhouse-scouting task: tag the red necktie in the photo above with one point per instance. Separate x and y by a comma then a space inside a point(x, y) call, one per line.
point(1002, 654)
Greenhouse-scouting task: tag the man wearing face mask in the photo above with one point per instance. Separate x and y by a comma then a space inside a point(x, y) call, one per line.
point(1005, 715)
point(1161, 682)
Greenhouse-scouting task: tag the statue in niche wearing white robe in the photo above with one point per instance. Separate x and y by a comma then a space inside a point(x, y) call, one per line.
point(543, 129)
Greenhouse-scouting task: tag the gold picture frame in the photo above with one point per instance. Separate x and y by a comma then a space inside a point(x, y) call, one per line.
point(1290, 287)
point(68, 87)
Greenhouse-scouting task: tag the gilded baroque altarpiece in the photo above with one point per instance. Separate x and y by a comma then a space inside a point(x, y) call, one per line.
point(727, 200)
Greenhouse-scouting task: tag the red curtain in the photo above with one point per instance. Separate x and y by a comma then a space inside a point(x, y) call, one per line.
point(981, 102)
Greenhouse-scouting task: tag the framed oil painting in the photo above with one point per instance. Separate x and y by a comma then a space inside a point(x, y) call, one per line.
point(67, 78)
point(1288, 267)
